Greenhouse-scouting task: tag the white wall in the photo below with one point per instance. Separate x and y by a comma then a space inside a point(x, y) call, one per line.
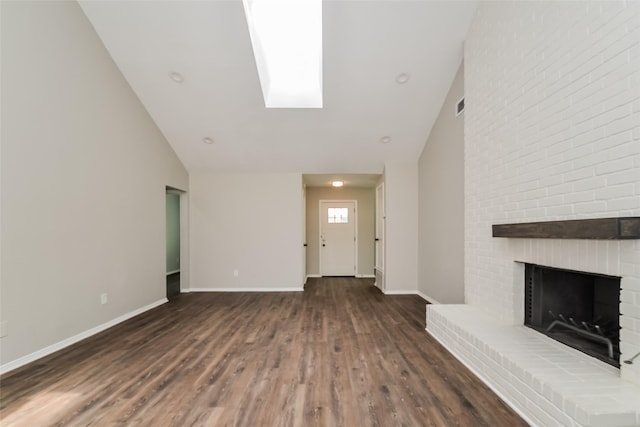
point(246, 222)
point(441, 204)
point(401, 233)
point(84, 171)
point(366, 230)
point(552, 127)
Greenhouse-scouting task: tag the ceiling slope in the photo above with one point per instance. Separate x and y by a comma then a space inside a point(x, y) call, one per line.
point(367, 44)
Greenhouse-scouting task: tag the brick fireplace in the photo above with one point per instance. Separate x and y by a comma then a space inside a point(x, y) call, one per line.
point(552, 132)
point(547, 382)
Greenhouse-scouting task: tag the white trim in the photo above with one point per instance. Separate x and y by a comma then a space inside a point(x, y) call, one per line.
point(427, 297)
point(184, 237)
point(407, 292)
point(185, 263)
point(366, 276)
point(485, 380)
point(379, 228)
point(312, 276)
point(173, 272)
point(380, 273)
point(399, 292)
point(304, 233)
point(10, 366)
point(246, 289)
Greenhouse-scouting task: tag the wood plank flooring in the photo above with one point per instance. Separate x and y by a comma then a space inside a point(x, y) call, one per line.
point(338, 354)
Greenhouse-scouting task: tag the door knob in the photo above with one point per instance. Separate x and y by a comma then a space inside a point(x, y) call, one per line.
point(324, 244)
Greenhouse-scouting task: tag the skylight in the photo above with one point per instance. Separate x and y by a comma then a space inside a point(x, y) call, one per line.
point(287, 43)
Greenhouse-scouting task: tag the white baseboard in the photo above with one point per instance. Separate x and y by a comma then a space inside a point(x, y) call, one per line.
point(172, 272)
point(407, 292)
point(10, 366)
point(359, 276)
point(427, 297)
point(399, 292)
point(297, 289)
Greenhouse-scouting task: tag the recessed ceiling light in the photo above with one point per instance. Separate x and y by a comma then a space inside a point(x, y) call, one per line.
point(385, 139)
point(176, 77)
point(402, 78)
point(207, 140)
point(337, 183)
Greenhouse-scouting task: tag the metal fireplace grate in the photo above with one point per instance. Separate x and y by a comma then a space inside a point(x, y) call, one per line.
point(581, 310)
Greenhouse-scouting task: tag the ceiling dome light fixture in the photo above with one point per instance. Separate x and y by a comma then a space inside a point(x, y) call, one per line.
point(337, 184)
point(402, 78)
point(385, 139)
point(176, 77)
point(207, 140)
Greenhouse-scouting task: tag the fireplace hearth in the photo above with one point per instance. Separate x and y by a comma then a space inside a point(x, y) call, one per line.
point(581, 310)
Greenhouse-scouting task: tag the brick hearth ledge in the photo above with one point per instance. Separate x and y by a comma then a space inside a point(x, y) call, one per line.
point(548, 383)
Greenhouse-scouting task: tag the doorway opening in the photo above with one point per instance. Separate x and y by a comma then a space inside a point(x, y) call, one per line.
point(176, 245)
point(357, 187)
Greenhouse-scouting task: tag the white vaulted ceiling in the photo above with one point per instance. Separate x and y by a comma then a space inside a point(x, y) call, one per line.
point(367, 44)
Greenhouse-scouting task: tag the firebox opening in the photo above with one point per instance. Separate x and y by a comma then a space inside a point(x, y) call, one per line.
point(581, 310)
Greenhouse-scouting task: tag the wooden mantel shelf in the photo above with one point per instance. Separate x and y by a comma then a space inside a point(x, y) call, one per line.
point(620, 228)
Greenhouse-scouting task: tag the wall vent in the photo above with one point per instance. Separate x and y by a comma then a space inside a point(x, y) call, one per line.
point(459, 107)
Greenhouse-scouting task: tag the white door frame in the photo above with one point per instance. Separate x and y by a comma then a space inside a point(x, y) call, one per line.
point(355, 231)
point(381, 240)
point(185, 270)
point(184, 237)
point(304, 234)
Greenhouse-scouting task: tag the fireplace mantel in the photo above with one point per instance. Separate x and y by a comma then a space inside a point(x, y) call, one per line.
point(619, 228)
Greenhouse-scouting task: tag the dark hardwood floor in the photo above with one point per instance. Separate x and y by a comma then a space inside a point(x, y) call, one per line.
point(338, 354)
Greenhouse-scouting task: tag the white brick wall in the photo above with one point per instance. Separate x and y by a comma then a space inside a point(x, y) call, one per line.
point(552, 131)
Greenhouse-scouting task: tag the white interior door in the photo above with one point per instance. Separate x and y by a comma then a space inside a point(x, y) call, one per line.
point(337, 238)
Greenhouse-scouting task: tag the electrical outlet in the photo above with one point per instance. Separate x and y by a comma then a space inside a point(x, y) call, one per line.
point(235, 273)
point(4, 329)
point(104, 298)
